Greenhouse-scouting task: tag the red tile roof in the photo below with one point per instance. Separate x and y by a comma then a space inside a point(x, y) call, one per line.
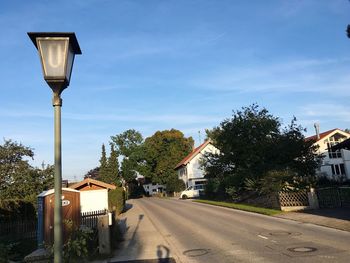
point(322, 135)
point(190, 156)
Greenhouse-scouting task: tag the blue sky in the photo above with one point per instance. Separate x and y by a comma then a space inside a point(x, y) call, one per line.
point(185, 64)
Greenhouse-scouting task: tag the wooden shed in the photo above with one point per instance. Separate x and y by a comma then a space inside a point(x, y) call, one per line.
point(93, 194)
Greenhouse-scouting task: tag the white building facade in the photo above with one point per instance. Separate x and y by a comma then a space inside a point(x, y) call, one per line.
point(335, 164)
point(189, 169)
point(93, 194)
point(153, 188)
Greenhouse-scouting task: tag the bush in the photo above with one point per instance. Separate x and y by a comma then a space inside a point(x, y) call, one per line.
point(116, 200)
point(80, 246)
point(4, 252)
point(11, 209)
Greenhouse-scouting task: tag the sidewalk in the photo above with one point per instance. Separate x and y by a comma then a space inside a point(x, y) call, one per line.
point(142, 241)
point(334, 218)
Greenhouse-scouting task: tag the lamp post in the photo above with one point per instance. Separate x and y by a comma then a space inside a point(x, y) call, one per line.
point(57, 51)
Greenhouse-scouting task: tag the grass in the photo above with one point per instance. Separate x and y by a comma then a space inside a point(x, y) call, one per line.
point(244, 207)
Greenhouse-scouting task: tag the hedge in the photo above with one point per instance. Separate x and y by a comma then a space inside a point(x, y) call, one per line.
point(116, 200)
point(11, 209)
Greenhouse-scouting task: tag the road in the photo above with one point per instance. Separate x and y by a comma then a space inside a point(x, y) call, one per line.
point(203, 233)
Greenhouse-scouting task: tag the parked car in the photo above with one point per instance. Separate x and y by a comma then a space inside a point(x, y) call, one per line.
point(193, 191)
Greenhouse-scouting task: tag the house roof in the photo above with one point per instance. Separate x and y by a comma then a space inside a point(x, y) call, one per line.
point(92, 181)
point(322, 135)
point(191, 155)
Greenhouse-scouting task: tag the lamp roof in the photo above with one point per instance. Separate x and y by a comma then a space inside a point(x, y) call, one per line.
point(72, 38)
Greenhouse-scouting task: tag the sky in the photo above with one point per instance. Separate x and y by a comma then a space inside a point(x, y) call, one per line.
point(159, 64)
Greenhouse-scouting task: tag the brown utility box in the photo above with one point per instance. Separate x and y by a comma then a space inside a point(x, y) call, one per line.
point(70, 212)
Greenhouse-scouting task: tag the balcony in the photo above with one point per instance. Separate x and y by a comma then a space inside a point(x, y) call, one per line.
point(334, 155)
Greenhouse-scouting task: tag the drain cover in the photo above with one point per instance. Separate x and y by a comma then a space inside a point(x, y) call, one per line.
point(280, 233)
point(302, 249)
point(196, 252)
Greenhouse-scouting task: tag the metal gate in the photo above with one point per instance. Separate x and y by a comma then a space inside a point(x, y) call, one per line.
point(332, 197)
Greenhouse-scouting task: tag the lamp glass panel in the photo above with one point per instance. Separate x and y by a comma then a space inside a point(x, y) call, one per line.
point(53, 53)
point(70, 61)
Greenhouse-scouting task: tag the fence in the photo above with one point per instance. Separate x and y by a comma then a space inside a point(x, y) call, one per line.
point(90, 219)
point(332, 197)
point(18, 229)
point(290, 201)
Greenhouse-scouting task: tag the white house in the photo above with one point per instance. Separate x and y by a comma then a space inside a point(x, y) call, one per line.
point(153, 188)
point(335, 163)
point(93, 194)
point(189, 169)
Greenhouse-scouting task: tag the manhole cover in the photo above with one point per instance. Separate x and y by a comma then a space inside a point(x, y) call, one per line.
point(302, 249)
point(196, 252)
point(280, 233)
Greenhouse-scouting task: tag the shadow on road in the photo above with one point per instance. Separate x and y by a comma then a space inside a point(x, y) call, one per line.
point(127, 207)
point(338, 213)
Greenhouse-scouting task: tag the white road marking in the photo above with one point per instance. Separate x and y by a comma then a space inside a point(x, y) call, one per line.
point(262, 237)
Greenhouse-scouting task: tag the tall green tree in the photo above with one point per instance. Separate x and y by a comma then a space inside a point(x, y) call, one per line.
point(161, 152)
point(103, 172)
point(127, 142)
point(128, 145)
point(253, 145)
point(113, 167)
point(18, 179)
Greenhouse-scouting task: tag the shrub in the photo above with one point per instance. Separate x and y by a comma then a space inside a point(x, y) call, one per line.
point(116, 200)
point(11, 209)
point(80, 245)
point(4, 251)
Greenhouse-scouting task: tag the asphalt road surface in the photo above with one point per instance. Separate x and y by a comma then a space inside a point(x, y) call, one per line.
point(203, 233)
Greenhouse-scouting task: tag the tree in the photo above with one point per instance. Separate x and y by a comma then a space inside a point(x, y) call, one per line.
point(103, 172)
point(18, 179)
point(113, 167)
point(161, 152)
point(109, 168)
point(128, 144)
point(252, 145)
point(93, 173)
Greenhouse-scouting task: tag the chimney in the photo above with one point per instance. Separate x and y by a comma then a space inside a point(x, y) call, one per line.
point(317, 128)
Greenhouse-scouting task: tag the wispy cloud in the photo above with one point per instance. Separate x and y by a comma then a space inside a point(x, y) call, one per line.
point(314, 75)
point(175, 119)
point(335, 112)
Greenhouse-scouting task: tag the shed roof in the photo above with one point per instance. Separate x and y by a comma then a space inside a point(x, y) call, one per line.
point(89, 181)
point(51, 191)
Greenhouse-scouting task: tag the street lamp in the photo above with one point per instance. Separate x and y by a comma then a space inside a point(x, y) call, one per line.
point(57, 51)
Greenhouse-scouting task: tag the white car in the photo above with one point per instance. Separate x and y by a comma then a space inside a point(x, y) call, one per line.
point(192, 191)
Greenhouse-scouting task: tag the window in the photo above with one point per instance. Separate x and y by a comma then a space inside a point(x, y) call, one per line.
point(338, 169)
point(342, 168)
point(336, 154)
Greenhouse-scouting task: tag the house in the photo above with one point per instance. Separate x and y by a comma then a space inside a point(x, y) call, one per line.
point(153, 188)
point(336, 161)
point(189, 169)
point(93, 194)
